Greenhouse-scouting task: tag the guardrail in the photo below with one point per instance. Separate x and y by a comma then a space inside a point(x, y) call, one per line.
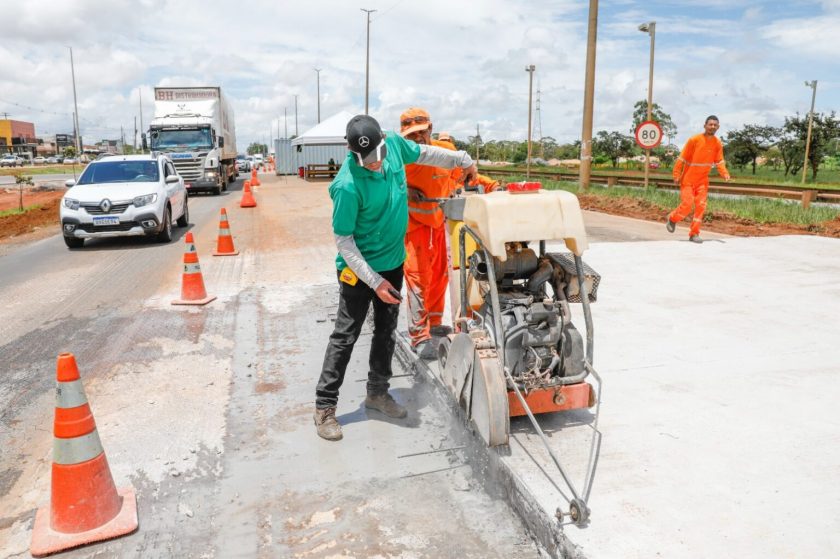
point(788, 192)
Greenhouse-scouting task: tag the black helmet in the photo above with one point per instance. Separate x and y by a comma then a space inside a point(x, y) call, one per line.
point(365, 139)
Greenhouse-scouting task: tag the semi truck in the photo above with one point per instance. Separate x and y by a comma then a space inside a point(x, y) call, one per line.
point(194, 126)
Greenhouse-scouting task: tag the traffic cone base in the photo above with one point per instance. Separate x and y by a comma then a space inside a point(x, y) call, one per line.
point(46, 541)
point(194, 302)
point(217, 253)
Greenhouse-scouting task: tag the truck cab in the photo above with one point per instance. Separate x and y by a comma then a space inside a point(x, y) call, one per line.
point(194, 128)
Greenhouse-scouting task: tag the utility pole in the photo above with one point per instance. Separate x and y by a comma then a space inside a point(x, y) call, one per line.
point(122, 140)
point(367, 59)
point(134, 142)
point(477, 140)
point(530, 69)
point(588, 97)
point(285, 125)
point(650, 29)
point(318, 74)
point(813, 85)
point(6, 116)
point(296, 130)
point(76, 105)
point(539, 123)
point(140, 100)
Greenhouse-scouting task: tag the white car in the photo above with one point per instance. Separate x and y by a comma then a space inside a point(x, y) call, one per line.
point(39, 160)
point(122, 196)
point(12, 161)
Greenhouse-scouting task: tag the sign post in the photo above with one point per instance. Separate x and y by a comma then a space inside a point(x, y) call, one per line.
point(648, 136)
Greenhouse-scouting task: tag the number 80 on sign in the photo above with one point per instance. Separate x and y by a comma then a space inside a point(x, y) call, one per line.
point(648, 134)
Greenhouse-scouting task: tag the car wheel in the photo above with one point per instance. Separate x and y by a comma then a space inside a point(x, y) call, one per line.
point(165, 234)
point(184, 220)
point(73, 242)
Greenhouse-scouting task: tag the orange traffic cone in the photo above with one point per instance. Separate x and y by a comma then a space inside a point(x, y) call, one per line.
point(247, 197)
point(192, 282)
point(224, 244)
point(85, 505)
point(255, 181)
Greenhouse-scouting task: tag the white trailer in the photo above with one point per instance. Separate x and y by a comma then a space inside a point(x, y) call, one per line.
point(195, 127)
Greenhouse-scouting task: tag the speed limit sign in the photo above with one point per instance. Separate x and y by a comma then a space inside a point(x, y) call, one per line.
point(648, 134)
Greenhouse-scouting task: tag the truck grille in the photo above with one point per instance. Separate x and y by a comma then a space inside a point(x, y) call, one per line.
point(189, 169)
point(94, 209)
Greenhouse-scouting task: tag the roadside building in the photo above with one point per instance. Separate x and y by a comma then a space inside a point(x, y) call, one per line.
point(17, 136)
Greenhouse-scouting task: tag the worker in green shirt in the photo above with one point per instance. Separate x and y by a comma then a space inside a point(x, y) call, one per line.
point(370, 217)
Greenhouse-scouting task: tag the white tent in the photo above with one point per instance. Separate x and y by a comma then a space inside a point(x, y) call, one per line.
point(328, 132)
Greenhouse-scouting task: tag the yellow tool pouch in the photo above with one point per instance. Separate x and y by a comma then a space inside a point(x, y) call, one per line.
point(348, 276)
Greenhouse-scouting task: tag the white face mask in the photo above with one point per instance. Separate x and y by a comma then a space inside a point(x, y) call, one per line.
point(378, 154)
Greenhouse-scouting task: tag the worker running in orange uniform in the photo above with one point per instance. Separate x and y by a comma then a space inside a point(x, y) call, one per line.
point(425, 267)
point(691, 174)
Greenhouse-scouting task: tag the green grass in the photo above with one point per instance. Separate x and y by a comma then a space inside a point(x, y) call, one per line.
point(16, 211)
point(759, 210)
point(827, 179)
point(42, 170)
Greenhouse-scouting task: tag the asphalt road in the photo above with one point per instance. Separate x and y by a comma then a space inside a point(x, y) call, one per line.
point(207, 411)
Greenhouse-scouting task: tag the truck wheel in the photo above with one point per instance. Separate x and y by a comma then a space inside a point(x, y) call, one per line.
point(73, 242)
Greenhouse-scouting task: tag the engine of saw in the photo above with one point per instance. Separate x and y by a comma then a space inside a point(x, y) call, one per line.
point(542, 346)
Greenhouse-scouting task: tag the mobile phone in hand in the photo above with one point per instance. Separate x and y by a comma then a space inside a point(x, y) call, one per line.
point(395, 294)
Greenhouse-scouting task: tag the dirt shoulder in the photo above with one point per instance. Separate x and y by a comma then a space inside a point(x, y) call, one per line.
point(720, 222)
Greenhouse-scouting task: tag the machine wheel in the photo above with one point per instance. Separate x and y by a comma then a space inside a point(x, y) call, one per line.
point(578, 512)
point(443, 351)
point(489, 409)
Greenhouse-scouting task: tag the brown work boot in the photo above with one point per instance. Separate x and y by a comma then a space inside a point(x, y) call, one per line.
point(327, 424)
point(386, 404)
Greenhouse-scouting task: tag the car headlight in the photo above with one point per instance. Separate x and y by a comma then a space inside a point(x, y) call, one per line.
point(141, 201)
point(210, 174)
point(70, 203)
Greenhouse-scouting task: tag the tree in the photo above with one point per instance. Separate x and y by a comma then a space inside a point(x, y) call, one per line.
point(69, 151)
point(669, 129)
point(257, 148)
point(825, 128)
point(612, 145)
point(22, 180)
point(792, 152)
point(746, 145)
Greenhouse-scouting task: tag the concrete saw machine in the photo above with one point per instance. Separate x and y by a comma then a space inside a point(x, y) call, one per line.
point(514, 350)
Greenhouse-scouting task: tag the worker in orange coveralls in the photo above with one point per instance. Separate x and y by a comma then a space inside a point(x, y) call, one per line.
point(425, 241)
point(691, 174)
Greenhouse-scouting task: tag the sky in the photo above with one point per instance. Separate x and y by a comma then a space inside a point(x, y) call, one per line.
point(463, 61)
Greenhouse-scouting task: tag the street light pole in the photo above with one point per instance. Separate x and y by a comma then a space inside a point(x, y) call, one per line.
point(650, 29)
point(588, 97)
point(296, 130)
point(530, 69)
point(367, 59)
point(140, 100)
point(813, 85)
point(76, 105)
point(318, 74)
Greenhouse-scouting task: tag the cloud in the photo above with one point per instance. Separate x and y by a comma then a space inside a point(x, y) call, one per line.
point(464, 61)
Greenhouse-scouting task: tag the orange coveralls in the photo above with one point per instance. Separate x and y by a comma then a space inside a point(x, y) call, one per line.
point(425, 245)
point(699, 155)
